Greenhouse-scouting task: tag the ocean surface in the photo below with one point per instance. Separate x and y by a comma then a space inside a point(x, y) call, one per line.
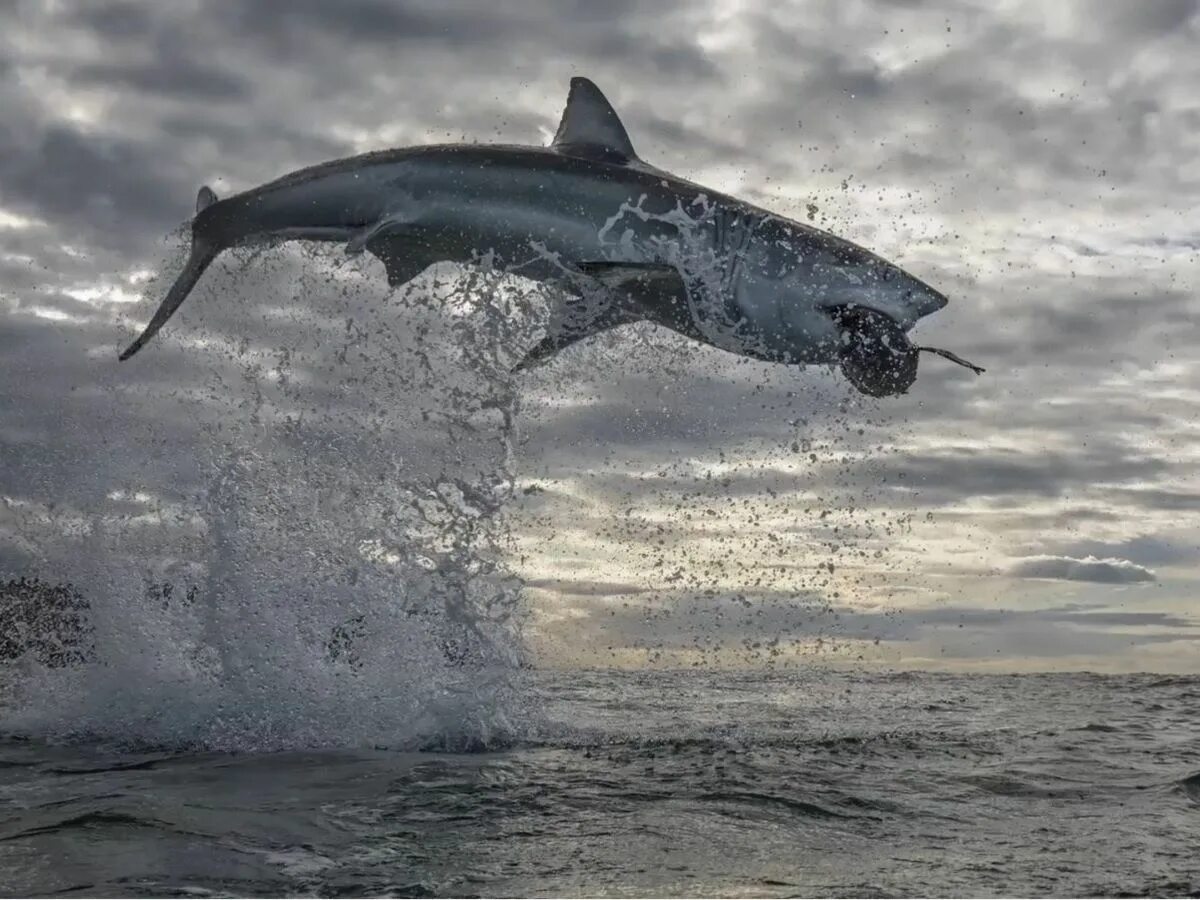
point(799, 783)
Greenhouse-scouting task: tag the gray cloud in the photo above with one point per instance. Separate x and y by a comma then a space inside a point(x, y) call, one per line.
point(753, 623)
point(1159, 498)
point(101, 181)
point(1066, 568)
point(1149, 19)
point(1146, 550)
point(180, 77)
point(1036, 169)
point(121, 20)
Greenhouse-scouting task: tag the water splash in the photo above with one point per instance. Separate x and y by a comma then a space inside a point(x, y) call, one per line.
point(307, 549)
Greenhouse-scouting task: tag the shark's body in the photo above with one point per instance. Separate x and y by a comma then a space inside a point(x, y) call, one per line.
point(623, 240)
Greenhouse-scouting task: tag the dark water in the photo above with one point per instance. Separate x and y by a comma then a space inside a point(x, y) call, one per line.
point(811, 783)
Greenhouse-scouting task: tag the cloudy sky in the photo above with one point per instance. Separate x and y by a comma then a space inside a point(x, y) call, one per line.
point(1039, 163)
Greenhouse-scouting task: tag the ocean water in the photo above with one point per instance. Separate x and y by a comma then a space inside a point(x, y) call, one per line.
point(800, 783)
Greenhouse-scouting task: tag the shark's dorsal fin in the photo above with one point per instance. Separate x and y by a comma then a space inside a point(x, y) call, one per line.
point(205, 197)
point(590, 127)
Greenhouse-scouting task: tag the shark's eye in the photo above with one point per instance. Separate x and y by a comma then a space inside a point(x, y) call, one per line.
point(886, 273)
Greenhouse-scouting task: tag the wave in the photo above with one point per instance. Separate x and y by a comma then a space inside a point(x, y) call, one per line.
point(106, 821)
point(761, 800)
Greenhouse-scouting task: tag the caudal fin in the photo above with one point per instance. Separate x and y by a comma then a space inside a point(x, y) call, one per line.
point(201, 256)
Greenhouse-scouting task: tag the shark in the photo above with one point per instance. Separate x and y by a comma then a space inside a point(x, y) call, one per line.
point(617, 239)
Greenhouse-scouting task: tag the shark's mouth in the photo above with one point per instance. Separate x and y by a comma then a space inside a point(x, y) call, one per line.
point(876, 355)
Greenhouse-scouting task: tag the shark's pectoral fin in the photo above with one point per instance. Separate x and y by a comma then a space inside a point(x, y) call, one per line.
point(405, 253)
point(653, 291)
point(565, 337)
point(544, 349)
point(582, 317)
point(375, 231)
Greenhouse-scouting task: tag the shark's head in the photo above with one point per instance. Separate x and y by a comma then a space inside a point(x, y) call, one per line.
point(871, 304)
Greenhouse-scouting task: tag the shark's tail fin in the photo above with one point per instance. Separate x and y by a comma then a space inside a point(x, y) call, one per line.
point(197, 262)
point(203, 253)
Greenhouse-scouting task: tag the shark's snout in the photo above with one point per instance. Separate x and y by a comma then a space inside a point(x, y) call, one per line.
point(916, 299)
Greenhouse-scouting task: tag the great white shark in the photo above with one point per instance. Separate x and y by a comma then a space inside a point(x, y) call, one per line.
point(620, 240)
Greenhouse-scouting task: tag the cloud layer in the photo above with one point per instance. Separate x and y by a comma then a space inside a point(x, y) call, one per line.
point(1066, 568)
point(1037, 164)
